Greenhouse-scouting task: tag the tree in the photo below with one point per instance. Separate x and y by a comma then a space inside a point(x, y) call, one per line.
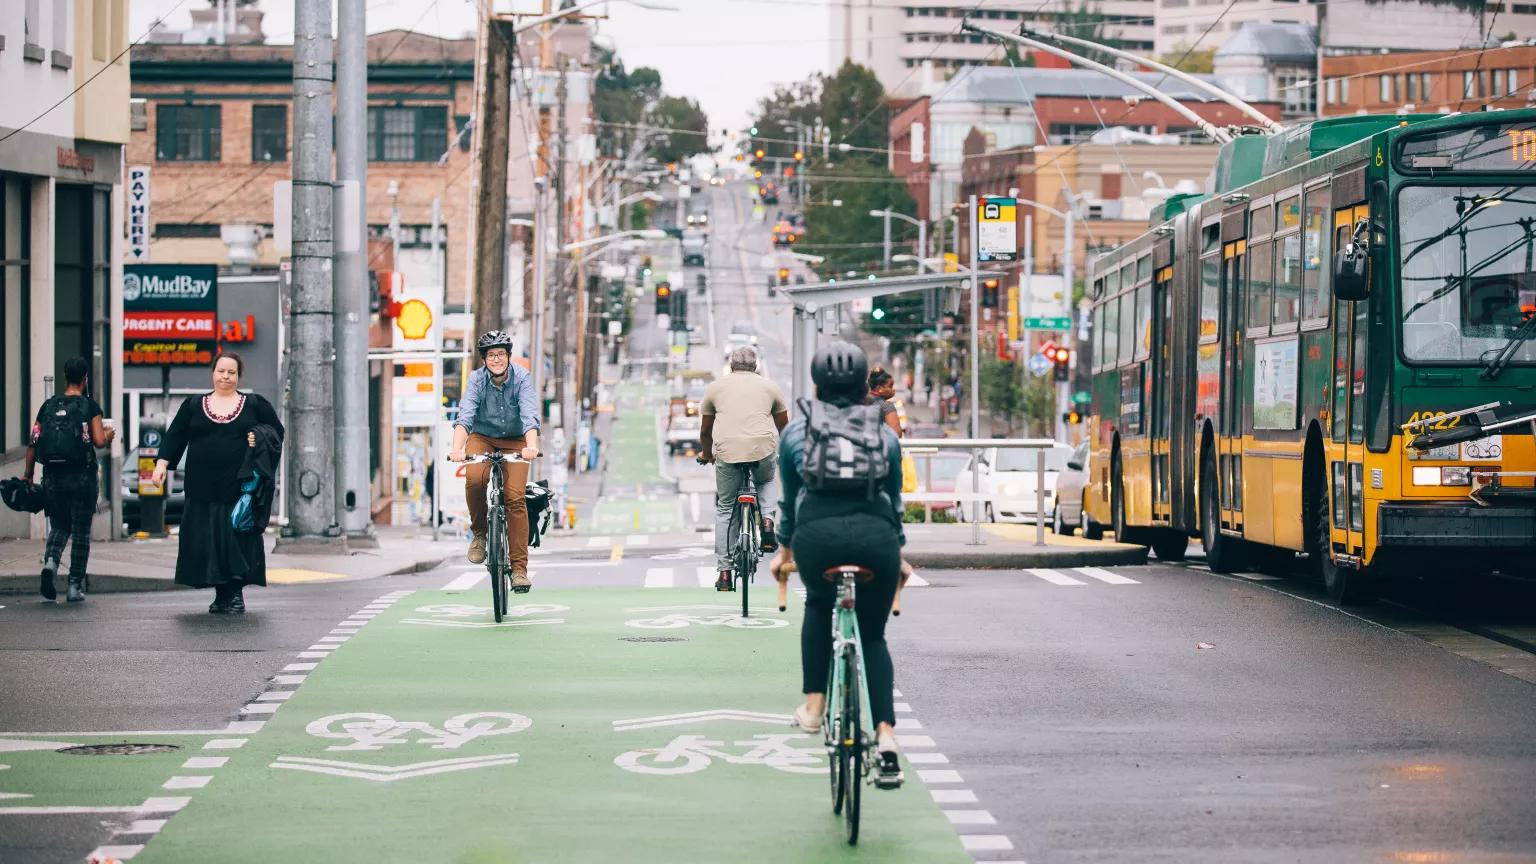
point(1184, 59)
point(687, 129)
point(621, 98)
point(848, 98)
point(800, 103)
point(846, 234)
point(1085, 21)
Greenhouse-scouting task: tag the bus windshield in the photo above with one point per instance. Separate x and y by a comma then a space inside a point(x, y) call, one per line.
point(1468, 279)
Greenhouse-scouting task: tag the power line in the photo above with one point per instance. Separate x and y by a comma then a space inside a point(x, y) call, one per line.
point(109, 64)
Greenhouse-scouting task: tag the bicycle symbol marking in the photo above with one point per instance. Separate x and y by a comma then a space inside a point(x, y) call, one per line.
point(685, 553)
point(690, 754)
point(677, 621)
point(370, 731)
point(468, 615)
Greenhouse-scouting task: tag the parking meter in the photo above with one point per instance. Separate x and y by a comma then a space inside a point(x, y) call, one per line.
point(151, 495)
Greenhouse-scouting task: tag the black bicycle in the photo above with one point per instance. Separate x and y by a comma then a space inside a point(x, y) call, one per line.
point(745, 545)
point(497, 556)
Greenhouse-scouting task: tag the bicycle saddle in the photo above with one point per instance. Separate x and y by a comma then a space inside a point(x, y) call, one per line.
point(860, 574)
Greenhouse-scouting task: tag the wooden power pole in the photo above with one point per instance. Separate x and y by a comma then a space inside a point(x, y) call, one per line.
point(491, 145)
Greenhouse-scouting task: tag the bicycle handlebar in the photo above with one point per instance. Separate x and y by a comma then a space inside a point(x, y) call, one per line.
point(498, 456)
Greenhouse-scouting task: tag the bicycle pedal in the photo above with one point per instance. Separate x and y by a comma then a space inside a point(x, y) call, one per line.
point(521, 589)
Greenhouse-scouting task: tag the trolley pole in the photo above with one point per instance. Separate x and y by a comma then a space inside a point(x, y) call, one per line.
point(311, 461)
point(974, 360)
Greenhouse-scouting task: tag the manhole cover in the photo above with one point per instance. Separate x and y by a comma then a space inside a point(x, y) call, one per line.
point(652, 639)
point(119, 749)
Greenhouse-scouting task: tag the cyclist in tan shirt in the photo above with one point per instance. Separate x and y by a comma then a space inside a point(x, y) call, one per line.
point(742, 416)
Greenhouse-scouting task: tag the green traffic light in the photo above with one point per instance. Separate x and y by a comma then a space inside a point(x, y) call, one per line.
point(878, 314)
point(754, 130)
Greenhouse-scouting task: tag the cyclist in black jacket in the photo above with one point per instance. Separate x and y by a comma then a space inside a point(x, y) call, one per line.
point(819, 531)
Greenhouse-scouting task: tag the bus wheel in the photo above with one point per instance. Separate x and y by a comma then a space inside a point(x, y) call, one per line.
point(1221, 551)
point(1170, 545)
point(1345, 586)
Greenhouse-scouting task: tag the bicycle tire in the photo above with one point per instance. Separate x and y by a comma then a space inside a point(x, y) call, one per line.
point(496, 545)
point(830, 734)
point(743, 563)
point(853, 753)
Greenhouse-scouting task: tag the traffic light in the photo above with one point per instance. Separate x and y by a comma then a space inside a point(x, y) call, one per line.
point(783, 275)
point(799, 155)
point(989, 293)
point(753, 130)
point(789, 170)
point(877, 308)
point(757, 174)
point(1061, 360)
point(759, 153)
point(1071, 418)
point(663, 298)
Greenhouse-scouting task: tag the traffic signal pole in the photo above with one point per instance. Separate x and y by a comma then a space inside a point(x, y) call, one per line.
point(353, 499)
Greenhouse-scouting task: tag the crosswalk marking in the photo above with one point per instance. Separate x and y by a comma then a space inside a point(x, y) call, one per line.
point(1105, 576)
point(660, 577)
point(637, 540)
point(916, 581)
point(465, 581)
point(595, 542)
point(1054, 577)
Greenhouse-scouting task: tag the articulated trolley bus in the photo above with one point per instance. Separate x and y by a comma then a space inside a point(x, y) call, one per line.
point(1329, 353)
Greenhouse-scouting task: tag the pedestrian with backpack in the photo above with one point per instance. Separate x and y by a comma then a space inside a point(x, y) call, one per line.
point(841, 469)
point(65, 436)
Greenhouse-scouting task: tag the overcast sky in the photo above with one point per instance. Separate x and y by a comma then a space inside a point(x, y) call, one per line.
point(725, 53)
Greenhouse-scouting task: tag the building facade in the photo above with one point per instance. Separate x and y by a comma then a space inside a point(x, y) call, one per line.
point(61, 159)
point(1349, 26)
point(910, 43)
point(1430, 81)
point(1020, 110)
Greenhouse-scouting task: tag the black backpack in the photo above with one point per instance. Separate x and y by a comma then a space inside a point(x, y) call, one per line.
point(63, 435)
point(844, 450)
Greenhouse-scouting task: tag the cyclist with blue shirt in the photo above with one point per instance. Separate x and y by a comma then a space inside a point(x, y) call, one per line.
point(499, 412)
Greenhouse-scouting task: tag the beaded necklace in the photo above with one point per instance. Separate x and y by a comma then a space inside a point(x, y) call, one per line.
point(222, 418)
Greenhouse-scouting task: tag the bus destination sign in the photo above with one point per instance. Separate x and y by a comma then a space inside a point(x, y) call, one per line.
point(1488, 147)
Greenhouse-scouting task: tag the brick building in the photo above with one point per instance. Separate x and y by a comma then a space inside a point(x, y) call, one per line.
point(1429, 81)
point(213, 122)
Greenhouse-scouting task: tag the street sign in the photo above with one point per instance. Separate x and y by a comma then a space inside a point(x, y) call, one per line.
point(997, 236)
point(1048, 323)
point(1038, 365)
point(170, 314)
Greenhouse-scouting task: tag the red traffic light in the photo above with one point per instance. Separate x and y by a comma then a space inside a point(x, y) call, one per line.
point(663, 290)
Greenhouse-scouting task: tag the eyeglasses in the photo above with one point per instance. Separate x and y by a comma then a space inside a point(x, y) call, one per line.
point(496, 354)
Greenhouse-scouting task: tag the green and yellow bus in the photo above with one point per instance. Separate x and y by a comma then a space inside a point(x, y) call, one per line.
point(1258, 353)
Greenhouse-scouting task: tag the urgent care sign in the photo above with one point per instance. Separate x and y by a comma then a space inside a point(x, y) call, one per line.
point(170, 314)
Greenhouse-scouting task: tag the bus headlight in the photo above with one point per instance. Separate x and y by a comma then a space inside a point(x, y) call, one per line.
point(1450, 475)
point(1456, 475)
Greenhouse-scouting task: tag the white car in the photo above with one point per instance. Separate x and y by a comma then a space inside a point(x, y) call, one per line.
point(683, 434)
point(1008, 483)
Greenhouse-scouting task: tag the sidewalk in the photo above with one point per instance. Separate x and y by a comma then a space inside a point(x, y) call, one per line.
point(150, 565)
point(1010, 547)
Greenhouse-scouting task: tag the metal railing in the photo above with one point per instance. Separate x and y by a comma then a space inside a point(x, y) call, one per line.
point(916, 447)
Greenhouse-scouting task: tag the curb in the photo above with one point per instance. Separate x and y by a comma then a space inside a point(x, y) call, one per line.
point(100, 584)
point(1019, 559)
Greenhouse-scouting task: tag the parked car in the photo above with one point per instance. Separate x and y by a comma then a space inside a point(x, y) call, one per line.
point(683, 434)
point(1008, 482)
point(175, 501)
point(1068, 514)
point(936, 472)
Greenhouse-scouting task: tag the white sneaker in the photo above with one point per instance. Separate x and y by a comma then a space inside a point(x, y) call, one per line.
point(806, 722)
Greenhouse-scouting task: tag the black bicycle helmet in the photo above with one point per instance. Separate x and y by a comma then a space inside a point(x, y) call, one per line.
point(840, 370)
point(494, 339)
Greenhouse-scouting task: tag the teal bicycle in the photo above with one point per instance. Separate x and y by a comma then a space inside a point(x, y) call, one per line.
point(850, 739)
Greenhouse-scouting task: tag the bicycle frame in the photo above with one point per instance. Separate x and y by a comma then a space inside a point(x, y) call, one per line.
point(845, 638)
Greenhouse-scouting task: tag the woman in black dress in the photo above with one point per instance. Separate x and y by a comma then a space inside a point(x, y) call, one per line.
point(215, 430)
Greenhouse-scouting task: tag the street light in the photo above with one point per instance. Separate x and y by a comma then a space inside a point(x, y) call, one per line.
point(642, 233)
point(563, 13)
point(922, 232)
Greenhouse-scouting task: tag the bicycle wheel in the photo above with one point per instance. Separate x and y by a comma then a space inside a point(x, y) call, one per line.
point(833, 738)
point(496, 560)
point(853, 745)
point(744, 567)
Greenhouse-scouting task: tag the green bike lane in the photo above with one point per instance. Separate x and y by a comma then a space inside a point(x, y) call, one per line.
point(595, 724)
point(638, 498)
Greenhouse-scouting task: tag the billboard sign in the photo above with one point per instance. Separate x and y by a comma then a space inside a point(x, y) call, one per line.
point(170, 314)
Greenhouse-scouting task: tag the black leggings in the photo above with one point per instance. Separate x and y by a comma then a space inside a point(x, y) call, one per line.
point(868, 541)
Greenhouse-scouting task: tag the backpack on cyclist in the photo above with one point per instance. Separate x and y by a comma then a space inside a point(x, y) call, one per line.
point(844, 450)
point(63, 435)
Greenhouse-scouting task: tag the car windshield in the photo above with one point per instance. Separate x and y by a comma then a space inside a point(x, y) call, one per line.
point(1468, 279)
point(1022, 459)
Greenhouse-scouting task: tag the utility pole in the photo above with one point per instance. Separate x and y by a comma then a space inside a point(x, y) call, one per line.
point(353, 443)
point(311, 386)
point(885, 248)
point(491, 145)
point(561, 295)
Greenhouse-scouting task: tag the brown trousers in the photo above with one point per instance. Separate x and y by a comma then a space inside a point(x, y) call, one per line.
point(514, 477)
